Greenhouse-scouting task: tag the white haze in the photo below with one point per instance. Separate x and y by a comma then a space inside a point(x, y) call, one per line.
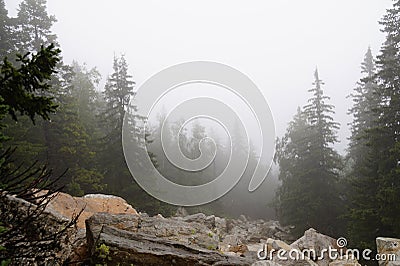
point(277, 44)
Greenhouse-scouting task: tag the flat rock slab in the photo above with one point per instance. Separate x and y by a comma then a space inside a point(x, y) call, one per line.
point(114, 239)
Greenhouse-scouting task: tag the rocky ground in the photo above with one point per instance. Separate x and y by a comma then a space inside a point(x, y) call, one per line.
point(111, 232)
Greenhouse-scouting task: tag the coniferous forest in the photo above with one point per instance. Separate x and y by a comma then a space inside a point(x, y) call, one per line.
point(60, 117)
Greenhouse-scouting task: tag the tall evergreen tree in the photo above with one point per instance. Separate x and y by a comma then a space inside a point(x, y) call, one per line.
point(293, 157)
point(363, 224)
point(386, 136)
point(69, 138)
point(365, 102)
point(20, 38)
point(31, 29)
point(310, 167)
point(375, 143)
point(6, 40)
point(33, 26)
point(63, 141)
point(19, 86)
point(117, 94)
point(84, 90)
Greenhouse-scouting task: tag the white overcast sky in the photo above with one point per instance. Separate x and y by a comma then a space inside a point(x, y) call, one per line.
point(277, 43)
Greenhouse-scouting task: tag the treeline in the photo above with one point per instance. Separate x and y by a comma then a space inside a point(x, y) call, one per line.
point(81, 139)
point(237, 201)
point(355, 195)
point(358, 195)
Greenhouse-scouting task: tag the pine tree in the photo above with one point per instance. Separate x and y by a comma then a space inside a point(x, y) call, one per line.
point(30, 30)
point(63, 140)
point(362, 179)
point(26, 34)
point(69, 139)
point(156, 145)
point(310, 167)
point(84, 83)
point(326, 162)
point(33, 26)
point(365, 102)
point(117, 94)
point(293, 201)
point(386, 136)
point(25, 82)
point(19, 86)
point(6, 40)
point(375, 143)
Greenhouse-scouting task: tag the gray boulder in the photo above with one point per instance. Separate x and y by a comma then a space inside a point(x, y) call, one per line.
point(130, 239)
point(389, 250)
point(37, 236)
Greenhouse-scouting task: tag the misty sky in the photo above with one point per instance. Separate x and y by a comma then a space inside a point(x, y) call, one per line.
point(277, 44)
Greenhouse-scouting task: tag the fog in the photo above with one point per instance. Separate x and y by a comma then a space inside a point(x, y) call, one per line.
point(278, 44)
point(279, 117)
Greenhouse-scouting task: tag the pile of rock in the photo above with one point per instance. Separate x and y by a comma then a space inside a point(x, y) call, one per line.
point(389, 250)
point(32, 234)
point(111, 232)
point(142, 240)
point(192, 239)
point(311, 249)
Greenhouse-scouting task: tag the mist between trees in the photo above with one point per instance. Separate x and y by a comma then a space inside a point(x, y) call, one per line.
point(311, 185)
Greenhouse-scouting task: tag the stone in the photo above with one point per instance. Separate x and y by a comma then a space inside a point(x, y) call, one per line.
point(265, 263)
point(220, 226)
point(181, 212)
point(273, 247)
point(79, 251)
point(37, 244)
point(277, 245)
point(255, 247)
point(312, 240)
point(344, 263)
point(198, 218)
point(128, 239)
point(242, 218)
point(255, 231)
point(252, 250)
point(172, 229)
point(68, 206)
point(238, 249)
point(388, 247)
point(115, 234)
point(232, 240)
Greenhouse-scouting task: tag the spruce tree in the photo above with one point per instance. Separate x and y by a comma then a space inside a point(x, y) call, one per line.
point(117, 94)
point(292, 155)
point(365, 102)
point(362, 181)
point(33, 26)
point(375, 143)
point(6, 40)
point(69, 138)
point(84, 89)
point(310, 167)
point(386, 136)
